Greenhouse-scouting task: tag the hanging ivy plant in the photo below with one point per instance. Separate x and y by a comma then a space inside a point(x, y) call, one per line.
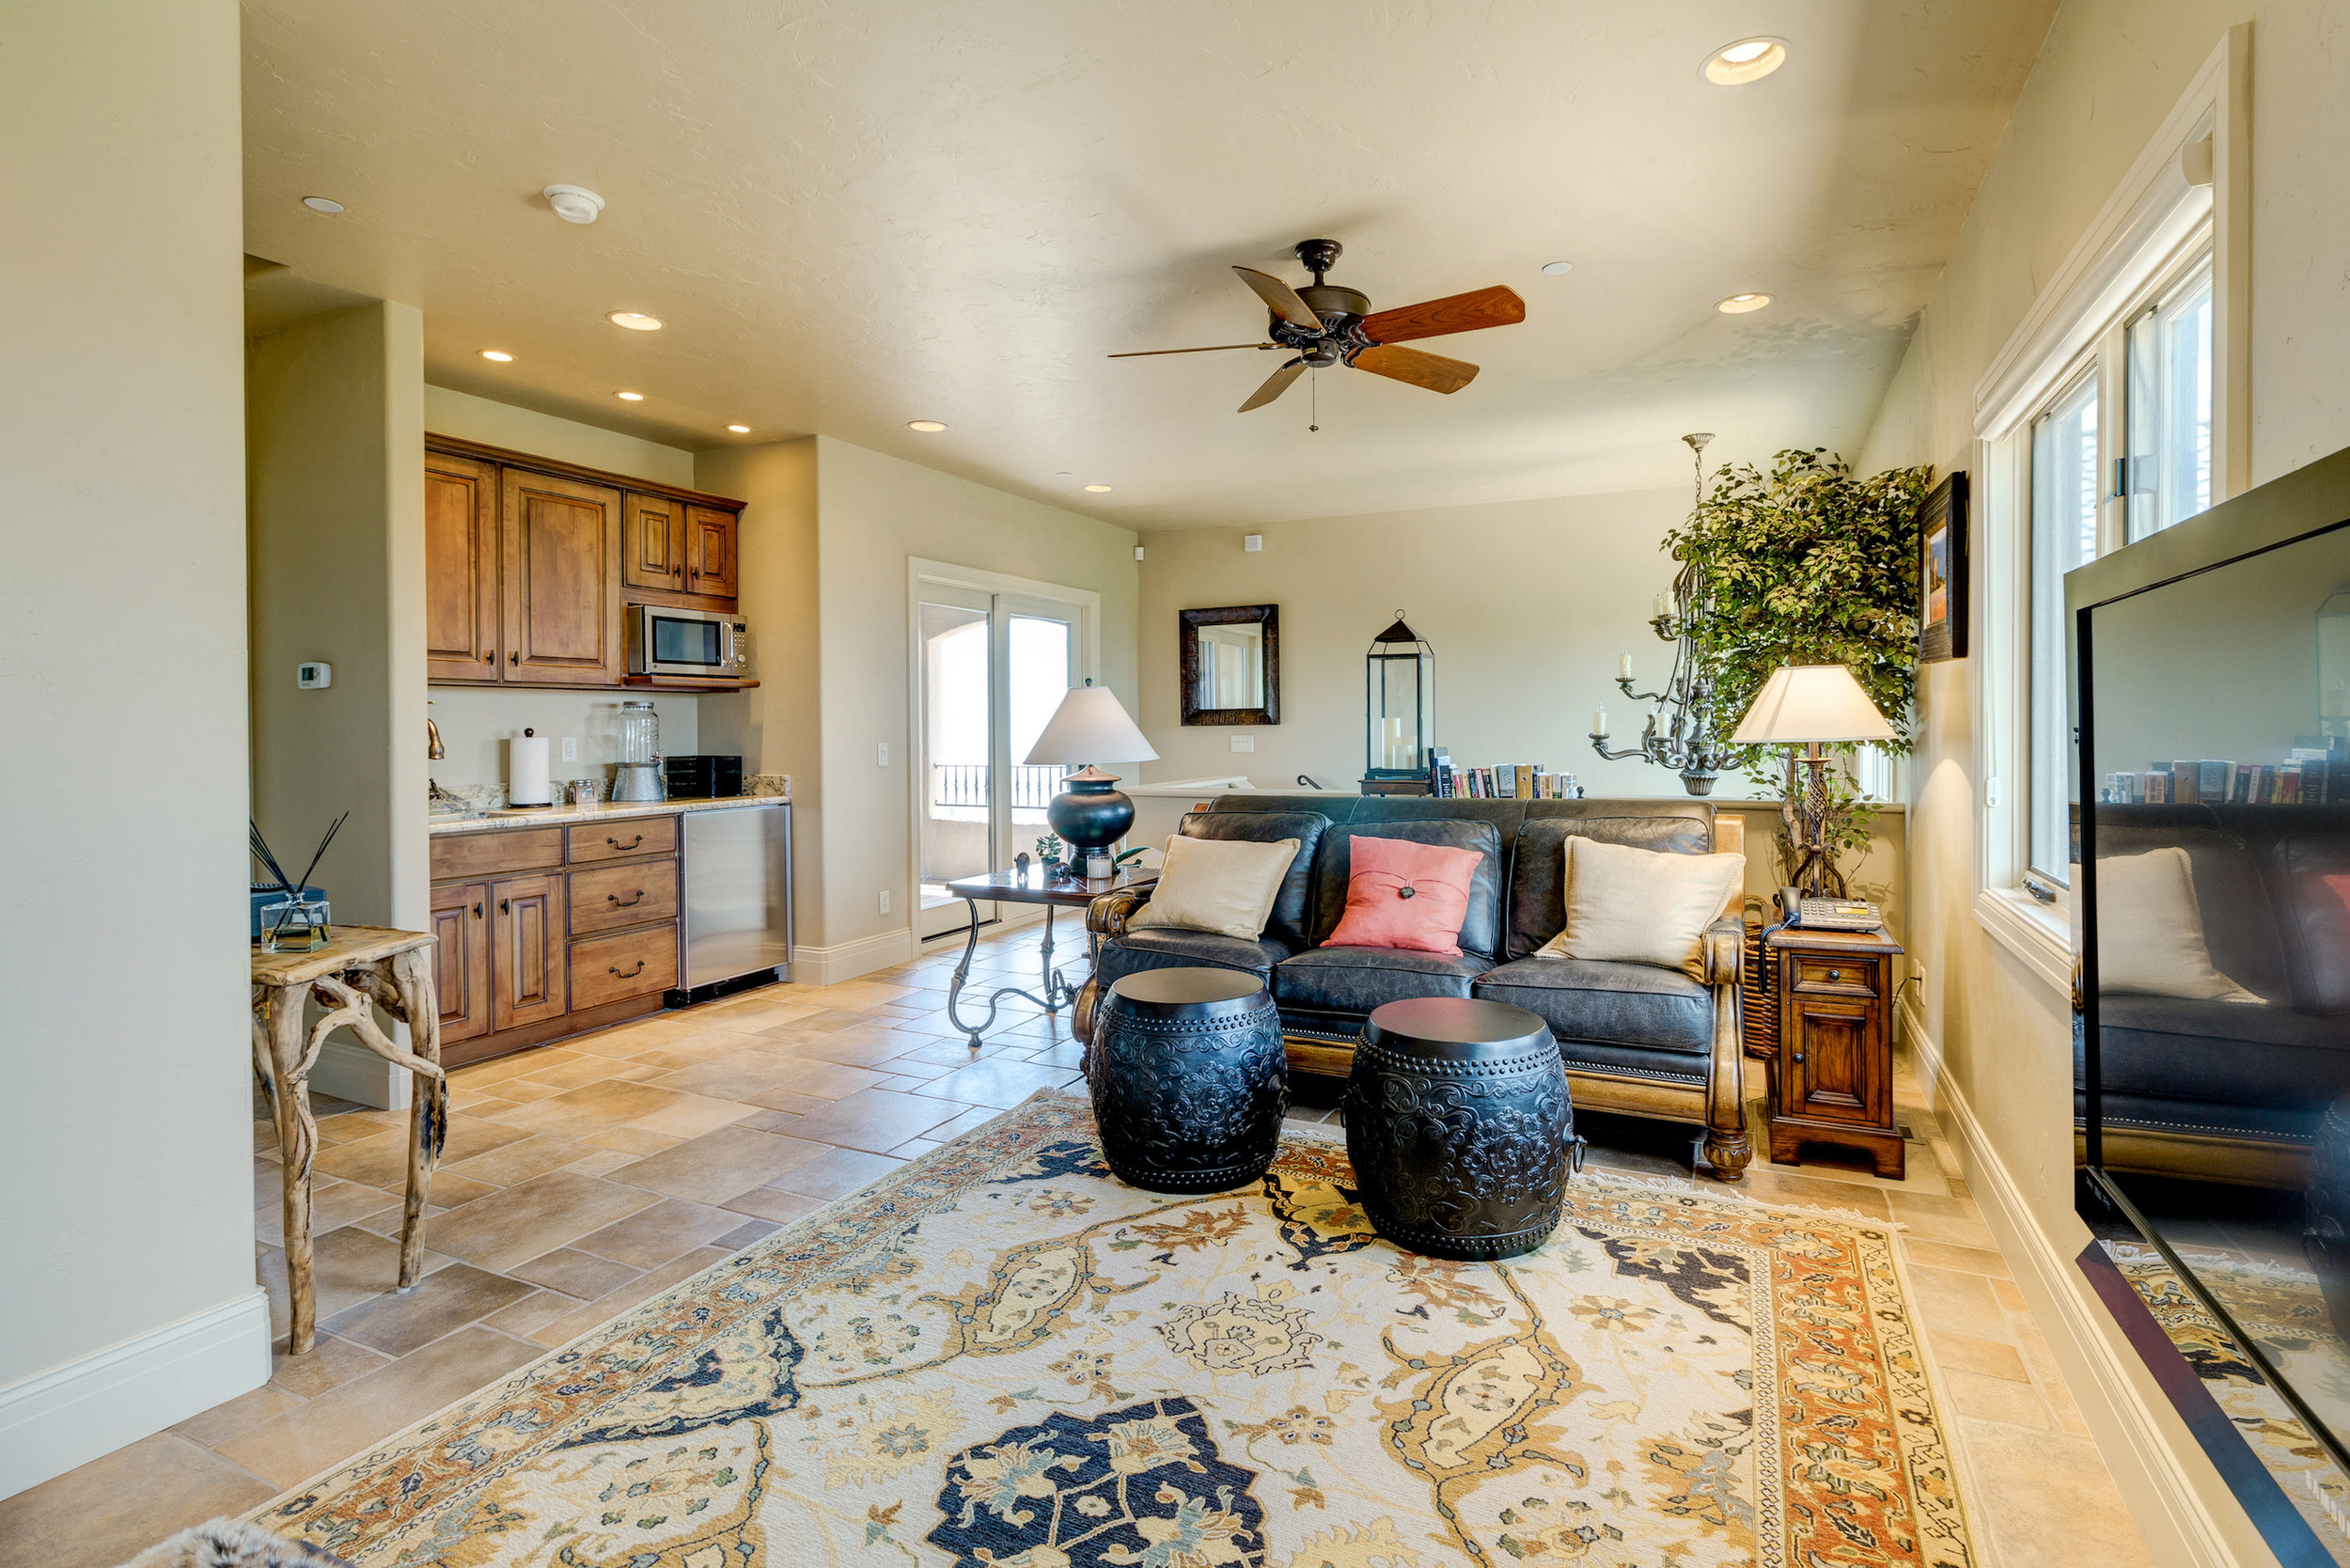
point(1809, 564)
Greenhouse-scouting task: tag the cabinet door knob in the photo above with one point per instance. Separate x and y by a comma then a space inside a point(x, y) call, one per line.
point(1798, 1055)
point(476, 912)
point(502, 909)
point(515, 657)
point(489, 658)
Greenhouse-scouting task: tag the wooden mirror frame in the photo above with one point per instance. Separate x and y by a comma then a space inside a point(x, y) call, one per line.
point(1187, 659)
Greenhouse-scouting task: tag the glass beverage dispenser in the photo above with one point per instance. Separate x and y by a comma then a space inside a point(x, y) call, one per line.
point(638, 776)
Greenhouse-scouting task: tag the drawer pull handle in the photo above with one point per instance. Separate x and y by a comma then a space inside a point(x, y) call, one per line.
point(1836, 974)
point(630, 845)
point(614, 969)
point(631, 904)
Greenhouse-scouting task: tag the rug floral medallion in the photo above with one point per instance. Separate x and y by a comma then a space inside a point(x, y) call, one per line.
point(1003, 1355)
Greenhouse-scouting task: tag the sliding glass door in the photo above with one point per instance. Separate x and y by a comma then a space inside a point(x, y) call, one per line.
point(992, 668)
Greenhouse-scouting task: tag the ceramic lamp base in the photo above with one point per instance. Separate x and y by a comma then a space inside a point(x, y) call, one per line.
point(1090, 812)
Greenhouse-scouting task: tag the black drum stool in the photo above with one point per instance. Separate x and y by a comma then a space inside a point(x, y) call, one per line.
point(1189, 1079)
point(1460, 1128)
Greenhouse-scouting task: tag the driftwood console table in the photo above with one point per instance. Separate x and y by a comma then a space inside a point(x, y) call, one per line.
point(365, 968)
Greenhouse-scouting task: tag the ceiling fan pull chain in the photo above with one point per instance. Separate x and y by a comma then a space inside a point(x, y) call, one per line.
point(1313, 398)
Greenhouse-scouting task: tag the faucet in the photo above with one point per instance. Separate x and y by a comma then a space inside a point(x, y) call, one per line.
point(434, 751)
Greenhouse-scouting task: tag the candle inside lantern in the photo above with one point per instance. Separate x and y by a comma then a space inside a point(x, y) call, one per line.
point(1599, 721)
point(1623, 667)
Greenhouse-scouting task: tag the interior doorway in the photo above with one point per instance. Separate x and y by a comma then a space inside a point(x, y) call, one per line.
point(993, 658)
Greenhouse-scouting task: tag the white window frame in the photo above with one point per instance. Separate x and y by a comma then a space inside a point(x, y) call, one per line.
point(2154, 228)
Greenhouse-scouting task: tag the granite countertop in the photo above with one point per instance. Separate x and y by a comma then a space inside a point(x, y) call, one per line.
point(540, 816)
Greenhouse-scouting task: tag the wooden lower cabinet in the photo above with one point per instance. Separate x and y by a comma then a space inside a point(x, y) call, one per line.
point(546, 932)
point(461, 965)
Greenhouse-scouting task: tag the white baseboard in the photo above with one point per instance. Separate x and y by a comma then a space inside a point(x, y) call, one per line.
point(848, 960)
point(72, 1414)
point(2162, 1492)
point(352, 1071)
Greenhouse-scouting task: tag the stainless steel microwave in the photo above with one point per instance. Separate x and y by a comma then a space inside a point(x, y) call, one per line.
point(662, 641)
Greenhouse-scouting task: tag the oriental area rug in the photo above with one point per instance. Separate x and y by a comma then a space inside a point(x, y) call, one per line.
point(1003, 1355)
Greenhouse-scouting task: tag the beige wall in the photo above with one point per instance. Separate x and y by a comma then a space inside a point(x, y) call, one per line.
point(334, 424)
point(2108, 73)
point(126, 1151)
point(524, 429)
point(1526, 602)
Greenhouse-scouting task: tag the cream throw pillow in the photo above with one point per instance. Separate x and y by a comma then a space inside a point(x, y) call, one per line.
point(2149, 939)
point(1225, 886)
point(1643, 906)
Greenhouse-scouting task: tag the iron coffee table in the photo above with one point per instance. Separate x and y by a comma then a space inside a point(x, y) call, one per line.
point(1011, 887)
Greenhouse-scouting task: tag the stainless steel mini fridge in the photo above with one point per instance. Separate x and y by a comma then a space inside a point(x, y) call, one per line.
point(738, 897)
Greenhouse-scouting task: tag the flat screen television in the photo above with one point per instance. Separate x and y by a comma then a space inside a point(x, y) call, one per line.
point(2211, 883)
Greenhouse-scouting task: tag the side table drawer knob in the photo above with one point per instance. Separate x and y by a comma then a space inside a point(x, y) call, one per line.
point(1836, 974)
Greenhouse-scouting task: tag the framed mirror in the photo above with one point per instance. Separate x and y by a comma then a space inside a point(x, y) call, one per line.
point(1230, 664)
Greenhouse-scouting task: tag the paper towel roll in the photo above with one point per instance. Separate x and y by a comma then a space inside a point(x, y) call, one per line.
point(526, 771)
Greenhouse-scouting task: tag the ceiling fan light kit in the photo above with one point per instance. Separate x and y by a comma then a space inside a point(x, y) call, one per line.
point(1327, 324)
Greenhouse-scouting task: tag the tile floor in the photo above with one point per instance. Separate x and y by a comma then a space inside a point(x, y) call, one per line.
point(625, 1161)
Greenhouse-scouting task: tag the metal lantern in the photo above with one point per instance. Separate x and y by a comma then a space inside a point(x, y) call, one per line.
point(1399, 681)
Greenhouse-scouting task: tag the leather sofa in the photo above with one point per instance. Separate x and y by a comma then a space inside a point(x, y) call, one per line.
point(1635, 1038)
point(2229, 1091)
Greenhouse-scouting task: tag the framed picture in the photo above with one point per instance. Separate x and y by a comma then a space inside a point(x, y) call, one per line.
point(1942, 572)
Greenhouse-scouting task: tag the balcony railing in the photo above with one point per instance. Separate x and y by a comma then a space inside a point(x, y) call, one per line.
point(966, 784)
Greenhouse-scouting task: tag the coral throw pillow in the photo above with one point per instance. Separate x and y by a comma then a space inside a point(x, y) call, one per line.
point(1400, 894)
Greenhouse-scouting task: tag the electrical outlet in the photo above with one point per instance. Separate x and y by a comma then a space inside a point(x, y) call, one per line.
point(1244, 742)
point(885, 763)
point(571, 748)
point(885, 900)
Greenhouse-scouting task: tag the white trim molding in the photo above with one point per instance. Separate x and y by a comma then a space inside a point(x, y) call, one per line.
point(848, 960)
point(2031, 931)
point(70, 1414)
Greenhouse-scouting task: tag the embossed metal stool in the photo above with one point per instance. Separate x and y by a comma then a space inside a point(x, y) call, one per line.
point(1189, 1079)
point(1460, 1128)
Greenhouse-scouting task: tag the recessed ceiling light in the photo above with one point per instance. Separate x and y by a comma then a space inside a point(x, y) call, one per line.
point(1063, 473)
point(1747, 60)
point(1099, 489)
point(740, 430)
point(630, 397)
point(927, 427)
point(322, 204)
point(1738, 305)
point(498, 354)
point(636, 321)
point(1555, 268)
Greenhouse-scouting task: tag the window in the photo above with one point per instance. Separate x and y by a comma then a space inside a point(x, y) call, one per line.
point(2063, 535)
point(2167, 475)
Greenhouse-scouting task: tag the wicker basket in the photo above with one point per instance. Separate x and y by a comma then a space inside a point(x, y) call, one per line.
point(1759, 1005)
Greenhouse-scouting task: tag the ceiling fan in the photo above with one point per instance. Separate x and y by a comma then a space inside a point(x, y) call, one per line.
point(1329, 323)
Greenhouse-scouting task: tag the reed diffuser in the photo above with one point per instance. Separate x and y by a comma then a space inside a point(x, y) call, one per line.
point(296, 923)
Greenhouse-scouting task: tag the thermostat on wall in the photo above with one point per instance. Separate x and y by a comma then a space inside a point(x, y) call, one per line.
point(314, 677)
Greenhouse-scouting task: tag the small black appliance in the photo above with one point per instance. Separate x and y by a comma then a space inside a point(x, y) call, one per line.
point(703, 778)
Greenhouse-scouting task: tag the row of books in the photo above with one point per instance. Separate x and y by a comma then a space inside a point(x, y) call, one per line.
point(1503, 781)
point(2309, 776)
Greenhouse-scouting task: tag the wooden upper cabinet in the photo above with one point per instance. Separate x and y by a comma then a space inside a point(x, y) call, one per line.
point(460, 569)
point(652, 554)
point(562, 582)
point(710, 552)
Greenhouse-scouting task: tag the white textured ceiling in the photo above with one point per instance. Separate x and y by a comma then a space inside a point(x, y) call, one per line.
point(855, 214)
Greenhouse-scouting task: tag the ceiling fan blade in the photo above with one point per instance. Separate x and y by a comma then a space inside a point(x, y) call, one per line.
point(1281, 298)
point(1212, 348)
point(1431, 371)
point(1480, 307)
point(1275, 385)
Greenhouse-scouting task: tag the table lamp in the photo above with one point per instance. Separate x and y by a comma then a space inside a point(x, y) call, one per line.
point(1089, 727)
point(1810, 705)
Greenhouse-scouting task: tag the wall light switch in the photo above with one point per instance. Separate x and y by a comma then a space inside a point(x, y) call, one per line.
point(885, 754)
point(1244, 742)
point(571, 748)
point(1137, 552)
point(314, 677)
point(885, 900)
point(1252, 543)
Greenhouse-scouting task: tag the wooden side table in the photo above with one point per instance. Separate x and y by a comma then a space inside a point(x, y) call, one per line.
point(365, 968)
point(1832, 1081)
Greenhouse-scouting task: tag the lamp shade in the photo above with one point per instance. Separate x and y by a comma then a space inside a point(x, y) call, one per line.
point(1090, 726)
point(1803, 703)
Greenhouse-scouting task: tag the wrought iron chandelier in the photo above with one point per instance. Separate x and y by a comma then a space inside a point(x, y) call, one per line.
point(1681, 732)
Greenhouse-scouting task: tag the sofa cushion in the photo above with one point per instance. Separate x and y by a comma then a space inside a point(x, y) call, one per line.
point(1170, 949)
point(1604, 1002)
point(1402, 894)
point(2222, 1052)
point(1480, 928)
point(1222, 886)
point(1292, 906)
point(2151, 931)
point(1355, 980)
point(2241, 924)
point(1537, 871)
point(1643, 906)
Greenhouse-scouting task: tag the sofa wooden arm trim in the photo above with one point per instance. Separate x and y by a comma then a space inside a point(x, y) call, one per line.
point(1725, 951)
point(1108, 914)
